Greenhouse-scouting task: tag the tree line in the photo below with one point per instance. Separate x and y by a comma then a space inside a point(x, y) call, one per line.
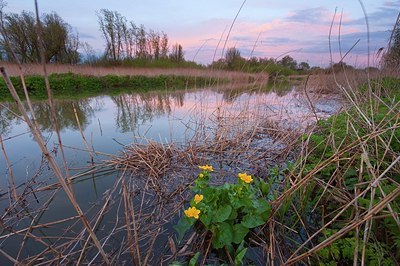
point(233, 60)
point(124, 40)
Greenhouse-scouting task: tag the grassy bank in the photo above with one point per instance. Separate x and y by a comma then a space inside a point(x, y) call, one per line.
point(338, 204)
point(351, 174)
point(69, 85)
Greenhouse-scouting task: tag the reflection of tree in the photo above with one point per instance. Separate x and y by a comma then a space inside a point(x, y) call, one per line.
point(232, 94)
point(64, 110)
point(7, 117)
point(133, 109)
point(65, 114)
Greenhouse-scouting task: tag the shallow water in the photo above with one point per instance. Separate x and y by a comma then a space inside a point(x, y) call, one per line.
point(111, 122)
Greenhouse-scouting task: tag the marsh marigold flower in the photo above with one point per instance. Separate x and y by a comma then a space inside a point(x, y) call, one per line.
point(206, 168)
point(245, 177)
point(198, 198)
point(192, 212)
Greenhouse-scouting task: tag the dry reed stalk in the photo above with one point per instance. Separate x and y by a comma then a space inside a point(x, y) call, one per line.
point(130, 219)
point(83, 135)
point(39, 226)
point(10, 258)
point(367, 216)
point(38, 137)
point(53, 116)
point(102, 212)
point(10, 171)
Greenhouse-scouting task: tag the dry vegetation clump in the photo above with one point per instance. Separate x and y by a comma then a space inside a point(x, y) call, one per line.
point(236, 77)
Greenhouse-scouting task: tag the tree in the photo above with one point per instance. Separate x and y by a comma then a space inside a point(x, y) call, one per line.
point(20, 31)
point(114, 29)
point(164, 46)
point(177, 53)
point(19, 36)
point(304, 66)
point(141, 42)
point(61, 45)
point(288, 62)
point(233, 58)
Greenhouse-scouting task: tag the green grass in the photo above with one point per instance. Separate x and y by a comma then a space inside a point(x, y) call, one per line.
point(359, 152)
point(71, 85)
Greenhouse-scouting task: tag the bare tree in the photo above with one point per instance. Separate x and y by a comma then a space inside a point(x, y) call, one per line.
point(177, 53)
point(113, 27)
point(164, 46)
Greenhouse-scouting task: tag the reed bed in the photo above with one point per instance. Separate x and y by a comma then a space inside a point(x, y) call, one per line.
point(138, 210)
point(316, 210)
point(334, 195)
point(36, 69)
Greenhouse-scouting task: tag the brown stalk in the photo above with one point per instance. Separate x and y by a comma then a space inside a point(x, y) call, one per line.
point(83, 135)
point(367, 216)
point(9, 257)
point(50, 93)
point(53, 164)
point(10, 171)
point(101, 214)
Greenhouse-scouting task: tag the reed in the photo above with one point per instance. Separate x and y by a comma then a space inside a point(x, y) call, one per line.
point(333, 186)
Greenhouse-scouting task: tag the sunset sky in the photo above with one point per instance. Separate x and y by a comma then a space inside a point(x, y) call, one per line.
point(262, 29)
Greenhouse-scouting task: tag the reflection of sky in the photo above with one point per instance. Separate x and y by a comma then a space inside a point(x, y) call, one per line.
point(163, 117)
point(159, 117)
point(263, 28)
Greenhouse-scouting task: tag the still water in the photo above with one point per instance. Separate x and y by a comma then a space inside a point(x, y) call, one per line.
point(111, 122)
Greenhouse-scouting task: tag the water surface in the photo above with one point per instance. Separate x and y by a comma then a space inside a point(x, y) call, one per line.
point(111, 122)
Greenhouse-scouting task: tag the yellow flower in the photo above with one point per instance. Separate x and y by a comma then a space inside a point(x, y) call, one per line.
point(206, 168)
point(198, 198)
point(245, 177)
point(192, 212)
point(201, 175)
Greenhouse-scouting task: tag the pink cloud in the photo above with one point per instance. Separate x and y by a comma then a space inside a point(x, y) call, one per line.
point(276, 37)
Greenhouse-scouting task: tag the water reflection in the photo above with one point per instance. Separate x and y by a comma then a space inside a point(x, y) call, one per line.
point(132, 109)
point(128, 111)
point(85, 109)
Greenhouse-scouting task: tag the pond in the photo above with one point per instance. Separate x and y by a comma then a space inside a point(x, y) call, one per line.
point(145, 147)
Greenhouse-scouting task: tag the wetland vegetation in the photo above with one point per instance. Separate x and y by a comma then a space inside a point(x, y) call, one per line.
point(218, 165)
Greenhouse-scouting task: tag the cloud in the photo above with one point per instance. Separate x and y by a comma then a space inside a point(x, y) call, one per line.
point(378, 39)
point(310, 15)
point(303, 34)
point(385, 15)
point(276, 41)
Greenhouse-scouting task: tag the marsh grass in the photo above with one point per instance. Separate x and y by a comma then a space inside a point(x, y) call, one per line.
point(331, 202)
point(335, 184)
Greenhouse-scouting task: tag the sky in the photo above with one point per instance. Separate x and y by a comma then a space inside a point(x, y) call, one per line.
point(262, 28)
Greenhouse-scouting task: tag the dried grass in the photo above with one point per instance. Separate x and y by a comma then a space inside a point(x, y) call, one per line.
point(236, 77)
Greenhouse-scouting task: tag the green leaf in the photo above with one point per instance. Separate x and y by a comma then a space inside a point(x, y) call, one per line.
point(206, 219)
point(239, 233)
point(239, 257)
point(183, 225)
point(252, 220)
point(223, 213)
point(233, 215)
point(265, 187)
point(223, 236)
point(264, 209)
point(193, 260)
